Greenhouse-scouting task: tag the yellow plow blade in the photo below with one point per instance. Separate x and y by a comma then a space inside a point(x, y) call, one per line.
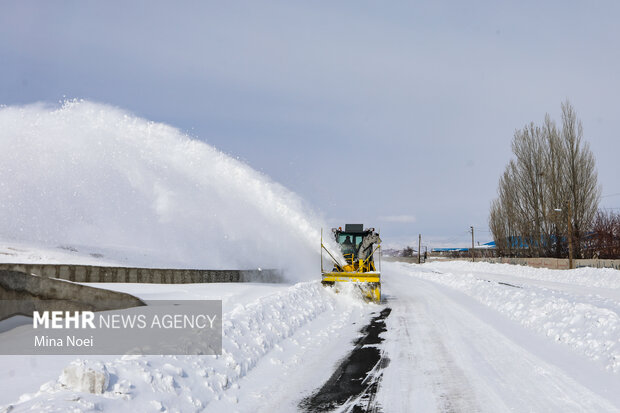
point(369, 282)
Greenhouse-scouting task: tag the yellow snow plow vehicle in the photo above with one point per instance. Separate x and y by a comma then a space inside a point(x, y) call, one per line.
point(359, 248)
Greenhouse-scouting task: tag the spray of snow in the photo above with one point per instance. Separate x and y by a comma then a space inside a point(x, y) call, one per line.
point(89, 175)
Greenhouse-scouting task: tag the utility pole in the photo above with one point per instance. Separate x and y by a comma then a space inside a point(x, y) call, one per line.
point(419, 246)
point(472, 244)
point(570, 238)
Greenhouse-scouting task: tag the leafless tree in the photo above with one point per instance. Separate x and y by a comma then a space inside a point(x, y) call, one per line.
point(552, 173)
point(603, 239)
point(408, 251)
point(581, 192)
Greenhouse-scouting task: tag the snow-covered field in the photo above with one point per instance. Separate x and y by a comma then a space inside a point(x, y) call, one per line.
point(15, 252)
point(461, 337)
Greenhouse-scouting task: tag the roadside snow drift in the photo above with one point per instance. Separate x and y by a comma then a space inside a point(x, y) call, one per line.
point(89, 175)
point(253, 333)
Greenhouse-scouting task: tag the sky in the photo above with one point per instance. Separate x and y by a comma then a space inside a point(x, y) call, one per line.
point(398, 115)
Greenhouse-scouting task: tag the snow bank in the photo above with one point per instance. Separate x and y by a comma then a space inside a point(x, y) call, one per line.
point(590, 277)
point(587, 323)
point(189, 383)
point(89, 175)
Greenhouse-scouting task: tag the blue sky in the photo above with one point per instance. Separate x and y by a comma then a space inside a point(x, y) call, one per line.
point(398, 115)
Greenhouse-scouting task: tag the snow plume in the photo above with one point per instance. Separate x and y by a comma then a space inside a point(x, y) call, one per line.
point(87, 175)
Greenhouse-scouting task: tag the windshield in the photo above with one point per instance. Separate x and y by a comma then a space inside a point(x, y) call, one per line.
point(352, 239)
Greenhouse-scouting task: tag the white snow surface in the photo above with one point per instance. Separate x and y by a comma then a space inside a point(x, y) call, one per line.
point(93, 178)
point(85, 376)
point(461, 341)
point(14, 252)
point(270, 331)
point(577, 308)
point(461, 337)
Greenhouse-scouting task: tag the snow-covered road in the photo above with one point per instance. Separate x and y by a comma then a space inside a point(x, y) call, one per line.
point(451, 352)
point(460, 337)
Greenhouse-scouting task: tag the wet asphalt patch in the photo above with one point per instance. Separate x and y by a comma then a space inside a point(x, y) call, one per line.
point(356, 379)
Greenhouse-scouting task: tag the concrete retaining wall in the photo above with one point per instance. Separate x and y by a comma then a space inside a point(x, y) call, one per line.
point(95, 274)
point(22, 293)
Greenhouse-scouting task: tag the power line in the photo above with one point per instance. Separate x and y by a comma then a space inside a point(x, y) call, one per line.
point(606, 196)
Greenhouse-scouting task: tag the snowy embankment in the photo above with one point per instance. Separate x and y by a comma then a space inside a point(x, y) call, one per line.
point(254, 333)
point(578, 308)
point(588, 277)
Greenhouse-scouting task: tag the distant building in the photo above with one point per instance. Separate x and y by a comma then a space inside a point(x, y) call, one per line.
point(484, 250)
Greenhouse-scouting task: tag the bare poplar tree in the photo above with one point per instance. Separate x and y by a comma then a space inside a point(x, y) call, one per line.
point(582, 192)
point(550, 171)
point(555, 158)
